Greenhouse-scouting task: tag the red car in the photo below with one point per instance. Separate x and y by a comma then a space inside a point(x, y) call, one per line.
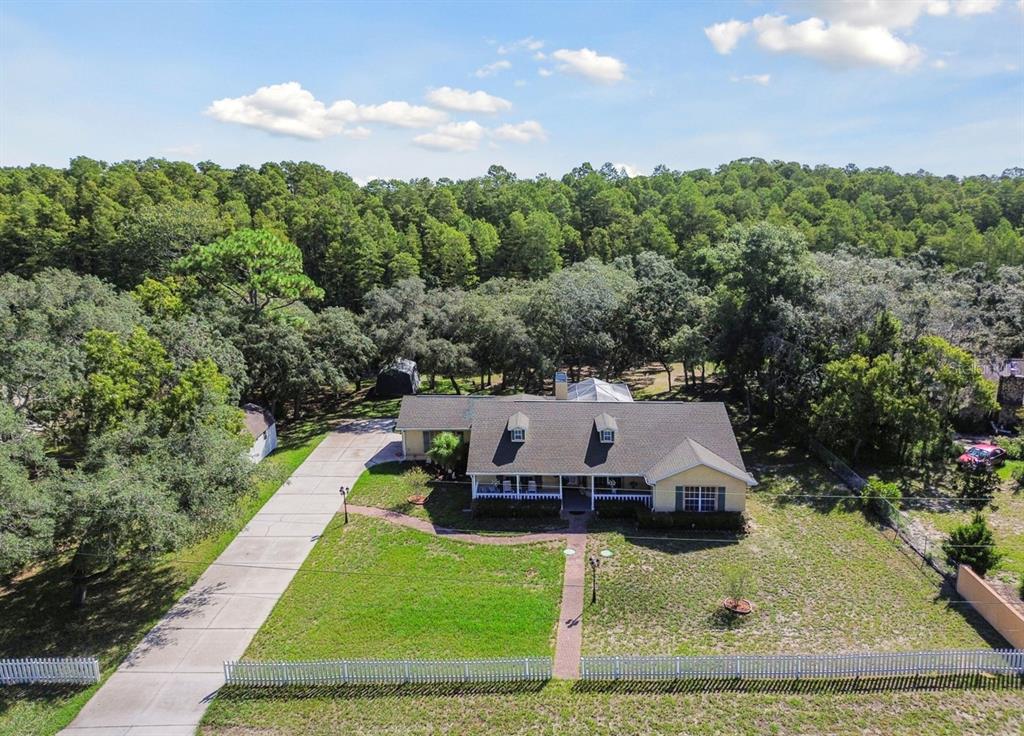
point(982, 456)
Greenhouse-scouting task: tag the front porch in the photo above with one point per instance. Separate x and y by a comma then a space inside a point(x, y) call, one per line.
point(578, 491)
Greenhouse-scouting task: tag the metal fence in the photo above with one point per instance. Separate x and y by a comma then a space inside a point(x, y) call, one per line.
point(896, 519)
point(795, 666)
point(386, 672)
point(50, 670)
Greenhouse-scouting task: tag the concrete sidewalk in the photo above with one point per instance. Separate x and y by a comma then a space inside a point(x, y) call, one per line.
point(164, 686)
point(569, 637)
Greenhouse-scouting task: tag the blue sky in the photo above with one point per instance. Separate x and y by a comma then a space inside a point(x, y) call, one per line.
point(535, 87)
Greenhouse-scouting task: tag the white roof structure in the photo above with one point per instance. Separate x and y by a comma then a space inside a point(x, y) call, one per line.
point(594, 389)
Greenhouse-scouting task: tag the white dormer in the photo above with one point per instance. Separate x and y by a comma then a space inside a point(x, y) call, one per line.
point(518, 423)
point(606, 427)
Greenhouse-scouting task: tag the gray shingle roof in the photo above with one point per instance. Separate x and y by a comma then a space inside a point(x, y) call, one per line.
point(563, 437)
point(441, 411)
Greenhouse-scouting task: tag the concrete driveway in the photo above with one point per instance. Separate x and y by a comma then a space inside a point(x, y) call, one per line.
point(164, 686)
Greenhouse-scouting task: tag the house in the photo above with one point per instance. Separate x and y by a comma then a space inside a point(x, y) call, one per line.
point(1009, 377)
point(261, 424)
point(400, 378)
point(669, 456)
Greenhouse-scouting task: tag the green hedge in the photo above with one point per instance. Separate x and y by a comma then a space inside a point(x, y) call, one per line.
point(501, 508)
point(619, 509)
point(725, 521)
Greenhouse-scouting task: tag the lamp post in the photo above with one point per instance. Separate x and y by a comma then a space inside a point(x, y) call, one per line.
point(595, 562)
point(344, 501)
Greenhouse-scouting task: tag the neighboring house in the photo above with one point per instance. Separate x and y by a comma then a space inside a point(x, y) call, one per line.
point(1009, 377)
point(670, 456)
point(261, 425)
point(401, 378)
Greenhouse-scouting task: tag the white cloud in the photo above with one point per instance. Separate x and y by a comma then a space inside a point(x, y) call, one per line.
point(628, 169)
point(974, 7)
point(285, 109)
point(288, 109)
point(885, 13)
point(358, 133)
point(725, 36)
point(523, 44)
point(400, 114)
point(452, 98)
point(589, 64)
point(524, 132)
point(939, 64)
point(493, 68)
point(762, 79)
point(545, 72)
point(452, 137)
point(837, 43)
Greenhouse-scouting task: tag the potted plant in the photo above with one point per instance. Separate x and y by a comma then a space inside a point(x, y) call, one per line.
point(737, 585)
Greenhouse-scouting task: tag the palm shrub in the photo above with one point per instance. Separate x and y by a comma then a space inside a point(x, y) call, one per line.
point(972, 544)
point(447, 450)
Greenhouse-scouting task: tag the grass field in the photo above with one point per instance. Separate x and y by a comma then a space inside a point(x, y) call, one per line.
point(821, 576)
point(561, 709)
point(374, 589)
point(35, 620)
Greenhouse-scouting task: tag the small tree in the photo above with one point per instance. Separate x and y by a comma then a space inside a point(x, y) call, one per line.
point(972, 544)
point(977, 487)
point(881, 497)
point(446, 449)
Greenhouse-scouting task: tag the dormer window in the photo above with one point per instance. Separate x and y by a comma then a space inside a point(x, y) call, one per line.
point(606, 427)
point(518, 423)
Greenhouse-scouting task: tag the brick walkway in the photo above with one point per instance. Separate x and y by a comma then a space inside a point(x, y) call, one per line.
point(569, 640)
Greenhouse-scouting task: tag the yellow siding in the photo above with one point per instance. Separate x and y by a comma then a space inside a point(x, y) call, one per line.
point(735, 490)
point(413, 443)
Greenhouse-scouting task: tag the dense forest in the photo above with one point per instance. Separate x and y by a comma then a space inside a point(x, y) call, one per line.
point(141, 302)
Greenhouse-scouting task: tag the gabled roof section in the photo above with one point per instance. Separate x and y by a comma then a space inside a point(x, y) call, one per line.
point(519, 421)
point(689, 454)
point(444, 411)
point(605, 421)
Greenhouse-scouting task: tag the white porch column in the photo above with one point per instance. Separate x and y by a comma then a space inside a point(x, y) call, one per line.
point(517, 485)
point(559, 488)
point(472, 479)
point(592, 491)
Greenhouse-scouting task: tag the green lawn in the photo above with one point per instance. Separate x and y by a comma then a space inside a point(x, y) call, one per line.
point(35, 620)
point(561, 709)
point(821, 576)
point(389, 486)
point(375, 589)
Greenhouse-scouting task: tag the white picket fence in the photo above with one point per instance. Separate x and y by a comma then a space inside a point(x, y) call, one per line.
point(795, 666)
point(50, 670)
point(386, 671)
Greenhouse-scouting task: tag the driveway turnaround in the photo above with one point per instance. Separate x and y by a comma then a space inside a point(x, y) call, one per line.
point(164, 686)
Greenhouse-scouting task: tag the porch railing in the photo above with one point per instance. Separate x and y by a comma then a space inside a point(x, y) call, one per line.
point(644, 498)
point(524, 494)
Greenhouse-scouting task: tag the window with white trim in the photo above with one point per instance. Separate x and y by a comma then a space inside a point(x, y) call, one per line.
point(607, 435)
point(518, 435)
point(700, 498)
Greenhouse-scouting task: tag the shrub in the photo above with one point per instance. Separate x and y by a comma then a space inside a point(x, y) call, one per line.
point(880, 497)
point(505, 509)
point(978, 486)
point(726, 521)
point(1018, 477)
point(737, 582)
point(619, 509)
point(1014, 447)
point(448, 450)
point(973, 544)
